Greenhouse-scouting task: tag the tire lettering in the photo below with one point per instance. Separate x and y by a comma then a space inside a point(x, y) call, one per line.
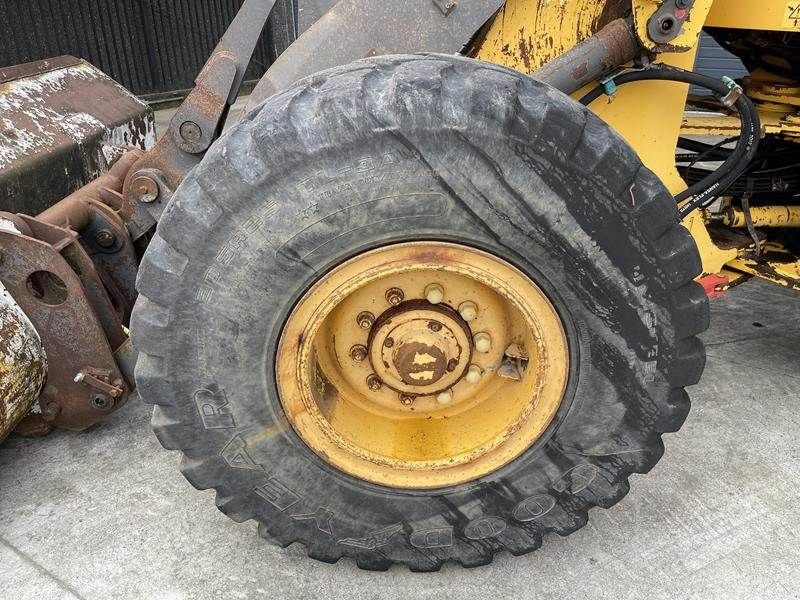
point(214, 409)
point(485, 527)
point(441, 537)
point(322, 518)
point(235, 454)
point(277, 494)
point(576, 479)
point(375, 539)
point(534, 507)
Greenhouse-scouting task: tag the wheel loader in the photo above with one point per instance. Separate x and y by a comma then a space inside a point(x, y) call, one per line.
point(437, 291)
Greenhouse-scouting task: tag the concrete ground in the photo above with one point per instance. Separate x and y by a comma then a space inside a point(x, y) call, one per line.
point(106, 514)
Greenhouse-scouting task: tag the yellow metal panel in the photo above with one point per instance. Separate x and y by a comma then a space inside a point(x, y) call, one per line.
point(649, 115)
point(690, 32)
point(783, 273)
point(787, 125)
point(527, 34)
point(770, 15)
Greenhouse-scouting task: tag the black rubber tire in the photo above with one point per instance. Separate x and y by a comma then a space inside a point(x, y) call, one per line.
point(401, 148)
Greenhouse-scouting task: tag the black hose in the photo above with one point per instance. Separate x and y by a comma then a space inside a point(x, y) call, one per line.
point(707, 190)
point(704, 155)
point(698, 147)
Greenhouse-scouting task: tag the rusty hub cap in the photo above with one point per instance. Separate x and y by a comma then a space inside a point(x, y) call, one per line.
point(422, 365)
point(420, 349)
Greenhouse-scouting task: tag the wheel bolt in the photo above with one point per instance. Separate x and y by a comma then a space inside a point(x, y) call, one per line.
point(445, 398)
point(389, 342)
point(374, 382)
point(105, 239)
point(358, 352)
point(434, 293)
point(483, 342)
point(394, 296)
point(435, 326)
point(406, 400)
point(365, 320)
point(468, 311)
point(474, 374)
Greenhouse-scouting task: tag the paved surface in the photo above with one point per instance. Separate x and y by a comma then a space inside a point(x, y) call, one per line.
point(106, 514)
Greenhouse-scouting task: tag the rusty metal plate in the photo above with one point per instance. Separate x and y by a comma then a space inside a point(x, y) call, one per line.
point(84, 384)
point(355, 29)
point(62, 121)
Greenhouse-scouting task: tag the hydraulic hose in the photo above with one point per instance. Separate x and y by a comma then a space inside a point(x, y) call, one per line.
point(707, 190)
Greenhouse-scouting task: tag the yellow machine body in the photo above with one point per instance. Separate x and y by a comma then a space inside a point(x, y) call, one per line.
point(651, 115)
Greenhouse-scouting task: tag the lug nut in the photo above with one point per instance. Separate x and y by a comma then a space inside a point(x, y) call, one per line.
point(105, 239)
point(374, 382)
point(406, 400)
point(474, 374)
point(445, 398)
point(358, 352)
point(451, 365)
point(389, 342)
point(468, 311)
point(434, 293)
point(365, 320)
point(394, 296)
point(435, 326)
point(483, 342)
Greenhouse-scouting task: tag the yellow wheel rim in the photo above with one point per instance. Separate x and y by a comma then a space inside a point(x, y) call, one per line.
point(422, 365)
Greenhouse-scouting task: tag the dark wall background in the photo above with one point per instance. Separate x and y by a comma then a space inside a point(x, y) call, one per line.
point(155, 48)
point(152, 47)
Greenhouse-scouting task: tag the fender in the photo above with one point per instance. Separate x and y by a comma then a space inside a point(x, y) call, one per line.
point(354, 29)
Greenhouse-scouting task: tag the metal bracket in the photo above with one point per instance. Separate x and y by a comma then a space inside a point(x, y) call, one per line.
point(735, 92)
point(666, 23)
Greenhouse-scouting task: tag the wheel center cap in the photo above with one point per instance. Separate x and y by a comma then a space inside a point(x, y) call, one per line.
point(419, 348)
point(422, 362)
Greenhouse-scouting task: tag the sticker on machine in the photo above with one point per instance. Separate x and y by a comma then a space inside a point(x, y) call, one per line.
point(791, 17)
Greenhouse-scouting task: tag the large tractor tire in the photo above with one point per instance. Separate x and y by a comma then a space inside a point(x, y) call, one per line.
point(418, 309)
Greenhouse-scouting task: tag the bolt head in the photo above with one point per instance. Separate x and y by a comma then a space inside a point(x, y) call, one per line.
point(145, 188)
point(434, 293)
point(406, 400)
point(105, 238)
point(358, 352)
point(445, 398)
point(374, 383)
point(365, 320)
point(395, 296)
point(435, 326)
point(474, 374)
point(101, 401)
point(483, 342)
point(191, 132)
point(468, 311)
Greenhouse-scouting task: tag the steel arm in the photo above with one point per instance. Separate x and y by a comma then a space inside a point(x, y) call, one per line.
point(199, 120)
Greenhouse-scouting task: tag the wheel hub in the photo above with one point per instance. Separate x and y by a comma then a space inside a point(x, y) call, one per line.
point(461, 371)
point(420, 349)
